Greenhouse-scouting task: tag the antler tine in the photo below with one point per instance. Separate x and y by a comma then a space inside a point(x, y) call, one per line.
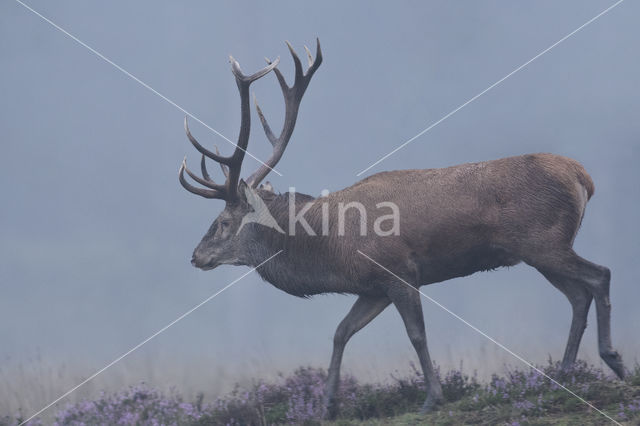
point(296, 63)
point(206, 193)
point(267, 130)
point(292, 98)
point(206, 181)
point(309, 56)
point(203, 168)
point(316, 63)
point(201, 149)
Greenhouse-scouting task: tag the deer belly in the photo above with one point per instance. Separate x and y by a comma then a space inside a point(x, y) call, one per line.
point(473, 260)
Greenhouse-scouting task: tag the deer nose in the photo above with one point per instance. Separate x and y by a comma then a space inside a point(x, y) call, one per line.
point(193, 260)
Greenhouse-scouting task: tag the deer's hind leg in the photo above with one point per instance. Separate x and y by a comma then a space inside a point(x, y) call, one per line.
point(580, 299)
point(577, 277)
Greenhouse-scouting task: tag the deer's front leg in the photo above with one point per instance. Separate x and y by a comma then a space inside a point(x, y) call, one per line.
point(363, 311)
point(407, 301)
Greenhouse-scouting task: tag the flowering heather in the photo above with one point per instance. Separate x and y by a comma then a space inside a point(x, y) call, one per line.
point(138, 405)
point(629, 410)
point(520, 397)
point(306, 393)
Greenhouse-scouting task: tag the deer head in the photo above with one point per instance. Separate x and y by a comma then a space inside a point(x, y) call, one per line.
point(225, 242)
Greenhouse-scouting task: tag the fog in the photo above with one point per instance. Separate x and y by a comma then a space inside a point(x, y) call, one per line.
point(97, 233)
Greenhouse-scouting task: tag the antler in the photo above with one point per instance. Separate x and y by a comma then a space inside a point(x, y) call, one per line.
point(230, 165)
point(292, 98)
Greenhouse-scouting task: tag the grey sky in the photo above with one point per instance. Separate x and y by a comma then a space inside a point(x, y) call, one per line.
point(96, 232)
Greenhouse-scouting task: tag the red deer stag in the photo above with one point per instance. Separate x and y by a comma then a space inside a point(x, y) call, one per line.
point(453, 222)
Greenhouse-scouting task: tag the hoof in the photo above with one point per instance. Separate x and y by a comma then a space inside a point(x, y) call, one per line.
point(614, 361)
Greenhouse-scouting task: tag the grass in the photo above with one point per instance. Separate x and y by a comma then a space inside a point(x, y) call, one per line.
point(527, 398)
point(519, 397)
point(557, 410)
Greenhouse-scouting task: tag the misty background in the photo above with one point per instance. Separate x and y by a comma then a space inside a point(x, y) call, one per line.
point(96, 233)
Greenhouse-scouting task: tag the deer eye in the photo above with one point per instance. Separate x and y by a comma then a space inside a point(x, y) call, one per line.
point(225, 224)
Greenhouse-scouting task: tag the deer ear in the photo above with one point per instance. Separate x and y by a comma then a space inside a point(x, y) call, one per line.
point(242, 190)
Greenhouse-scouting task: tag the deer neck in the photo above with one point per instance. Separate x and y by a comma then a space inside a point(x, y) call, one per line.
point(263, 242)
